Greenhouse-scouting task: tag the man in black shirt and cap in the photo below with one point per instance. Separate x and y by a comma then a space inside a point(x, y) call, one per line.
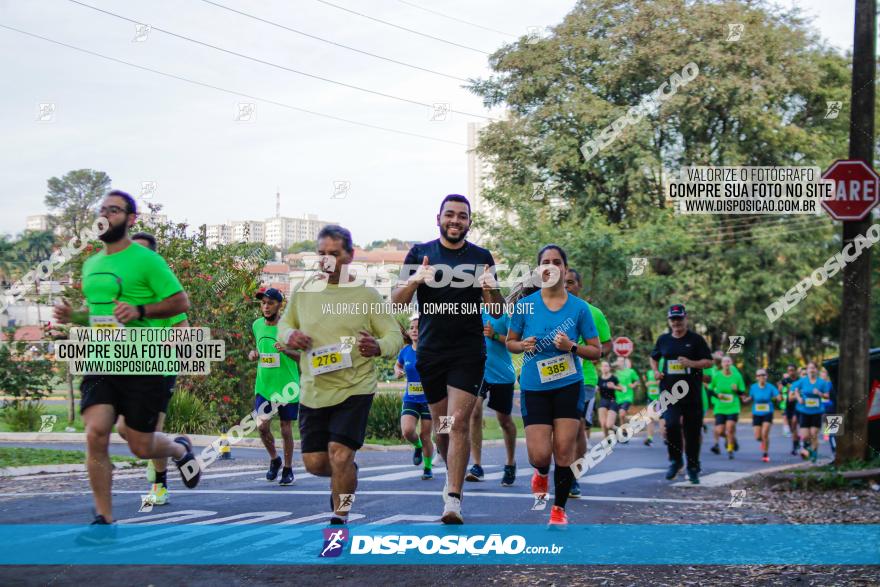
point(686, 354)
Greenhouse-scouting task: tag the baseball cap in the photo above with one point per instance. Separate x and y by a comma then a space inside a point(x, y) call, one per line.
point(676, 310)
point(271, 293)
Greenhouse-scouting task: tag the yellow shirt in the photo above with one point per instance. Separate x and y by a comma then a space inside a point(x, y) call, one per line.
point(331, 317)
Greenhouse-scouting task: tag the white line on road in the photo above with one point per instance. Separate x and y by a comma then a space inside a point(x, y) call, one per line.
point(398, 476)
point(167, 517)
point(715, 479)
point(436, 493)
point(621, 475)
point(406, 518)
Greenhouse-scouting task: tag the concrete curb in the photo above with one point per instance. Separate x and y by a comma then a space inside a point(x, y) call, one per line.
point(37, 469)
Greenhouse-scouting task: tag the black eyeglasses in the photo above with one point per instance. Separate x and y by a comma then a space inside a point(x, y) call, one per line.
point(112, 210)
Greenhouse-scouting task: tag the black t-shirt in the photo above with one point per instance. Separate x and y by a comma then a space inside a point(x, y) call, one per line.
point(452, 331)
point(692, 346)
point(606, 392)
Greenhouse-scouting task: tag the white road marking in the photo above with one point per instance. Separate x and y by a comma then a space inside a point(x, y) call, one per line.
point(714, 479)
point(406, 518)
point(312, 518)
point(436, 493)
point(399, 476)
point(615, 476)
point(248, 518)
point(167, 517)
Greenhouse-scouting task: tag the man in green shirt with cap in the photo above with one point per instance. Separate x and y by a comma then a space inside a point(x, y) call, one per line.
point(276, 370)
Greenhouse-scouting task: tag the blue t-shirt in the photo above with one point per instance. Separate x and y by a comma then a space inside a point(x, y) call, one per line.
point(812, 403)
point(414, 391)
point(531, 317)
point(762, 398)
point(499, 368)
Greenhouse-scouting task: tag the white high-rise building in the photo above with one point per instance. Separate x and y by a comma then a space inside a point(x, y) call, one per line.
point(218, 234)
point(248, 231)
point(283, 231)
point(39, 222)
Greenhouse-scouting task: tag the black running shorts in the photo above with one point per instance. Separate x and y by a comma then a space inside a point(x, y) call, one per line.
point(500, 396)
point(345, 423)
point(542, 407)
point(436, 373)
point(139, 398)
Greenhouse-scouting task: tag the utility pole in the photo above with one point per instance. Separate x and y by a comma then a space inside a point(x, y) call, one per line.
point(855, 341)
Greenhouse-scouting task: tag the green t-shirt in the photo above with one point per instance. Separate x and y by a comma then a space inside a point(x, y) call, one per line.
point(726, 400)
point(591, 376)
point(274, 369)
point(627, 378)
point(135, 275)
point(652, 386)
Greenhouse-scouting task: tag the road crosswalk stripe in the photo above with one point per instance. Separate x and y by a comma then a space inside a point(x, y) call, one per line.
point(715, 479)
point(615, 476)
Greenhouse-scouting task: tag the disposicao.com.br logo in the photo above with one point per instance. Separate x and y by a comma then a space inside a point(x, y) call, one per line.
point(479, 544)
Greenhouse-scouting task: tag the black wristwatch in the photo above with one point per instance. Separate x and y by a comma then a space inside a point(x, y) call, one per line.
point(142, 311)
point(574, 349)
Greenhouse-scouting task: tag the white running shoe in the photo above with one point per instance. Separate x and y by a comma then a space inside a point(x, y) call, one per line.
point(452, 511)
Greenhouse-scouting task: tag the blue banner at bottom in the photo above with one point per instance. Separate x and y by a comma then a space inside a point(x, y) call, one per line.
point(182, 544)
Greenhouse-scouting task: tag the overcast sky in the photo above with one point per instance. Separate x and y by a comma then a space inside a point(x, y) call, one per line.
point(139, 126)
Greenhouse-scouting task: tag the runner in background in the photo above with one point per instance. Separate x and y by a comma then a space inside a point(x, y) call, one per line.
point(277, 367)
point(809, 392)
point(708, 398)
point(762, 394)
point(628, 380)
point(608, 386)
point(686, 354)
point(339, 373)
point(574, 283)
point(498, 380)
point(652, 390)
point(790, 414)
point(545, 325)
point(157, 468)
point(415, 408)
point(726, 387)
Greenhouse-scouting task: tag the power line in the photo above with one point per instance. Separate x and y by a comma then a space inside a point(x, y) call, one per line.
point(323, 40)
point(461, 20)
point(236, 93)
point(277, 66)
point(403, 28)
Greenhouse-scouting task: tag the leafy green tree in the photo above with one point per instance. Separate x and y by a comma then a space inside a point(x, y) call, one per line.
point(72, 199)
point(300, 246)
point(34, 246)
point(757, 101)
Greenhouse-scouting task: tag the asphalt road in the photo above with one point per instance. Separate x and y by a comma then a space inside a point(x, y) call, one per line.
point(627, 487)
point(390, 488)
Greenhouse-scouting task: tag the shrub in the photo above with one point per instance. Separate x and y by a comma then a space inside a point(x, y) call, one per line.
point(189, 414)
point(23, 416)
point(384, 418)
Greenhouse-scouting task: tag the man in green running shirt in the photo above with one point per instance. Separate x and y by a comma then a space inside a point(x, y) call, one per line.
point(574, 283)
point(629, 379)
point(276, 370)
point(125, 286)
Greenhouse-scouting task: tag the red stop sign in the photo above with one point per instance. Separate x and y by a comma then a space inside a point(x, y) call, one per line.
point(856, 190)
point(622, 346)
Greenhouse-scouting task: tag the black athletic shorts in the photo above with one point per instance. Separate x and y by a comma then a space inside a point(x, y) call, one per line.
point(623, 406)
point(345, 423)
point(759, 419)
point(464, 373)
point(170, 381)
point(720, 419)
point(139, 398)
point(809, 420)
point(608, 403)
point(418, 409)
point(542, 407)
point(500, 396)
point(790, 409)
